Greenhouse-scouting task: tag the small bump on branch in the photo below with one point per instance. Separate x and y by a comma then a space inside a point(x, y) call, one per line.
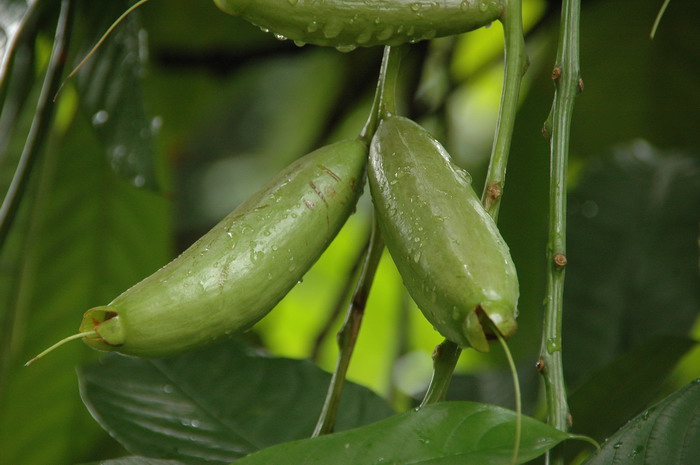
point(560, 260)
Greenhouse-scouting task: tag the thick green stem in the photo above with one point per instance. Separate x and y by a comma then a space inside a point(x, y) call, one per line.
point(568, 83)
point(447, 354)
point(41, 123)
point(445, 359)
point(347, 337)
point(385, 96)
point(516, 63)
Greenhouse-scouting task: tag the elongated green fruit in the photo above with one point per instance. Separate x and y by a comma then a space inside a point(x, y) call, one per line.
point(448, 250)
point(348, 24)
point(236, 273)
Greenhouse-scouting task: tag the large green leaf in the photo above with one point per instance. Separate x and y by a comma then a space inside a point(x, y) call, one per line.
point(109, 85)
point(447, 433)
point(624, 387)
point(633, 255)
point(667, 433)
point(215, 405)
point(136, 460)
point(87, 237)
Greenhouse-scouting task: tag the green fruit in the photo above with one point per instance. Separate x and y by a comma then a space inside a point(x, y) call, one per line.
point(448, 250)
point(237, 272)
point(348, 24)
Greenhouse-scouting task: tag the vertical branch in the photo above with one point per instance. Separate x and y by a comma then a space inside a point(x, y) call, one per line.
point(347, 337)
point(447, 353)
point(567, 80)
point(341, 297)
point(384, 103)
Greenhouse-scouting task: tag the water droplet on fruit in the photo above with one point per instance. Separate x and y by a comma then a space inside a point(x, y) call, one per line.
point(365, 36)
point(385, 33)
point(333, 28)
point(346, 48)
point(312, 27)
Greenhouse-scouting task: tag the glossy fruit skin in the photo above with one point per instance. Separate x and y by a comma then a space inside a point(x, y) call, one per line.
point(237, 272)
point(450, 254)
point(348, 24)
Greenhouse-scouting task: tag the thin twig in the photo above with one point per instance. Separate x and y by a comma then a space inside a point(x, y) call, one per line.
point(447, 353)
point(41, 123)
point(99, 43)
point(384, 103)
point(568, 83)
point(341, 298)
point(658, 19)
point(347, 337)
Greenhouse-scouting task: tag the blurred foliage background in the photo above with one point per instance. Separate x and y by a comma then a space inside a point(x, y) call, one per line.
point(185, 111)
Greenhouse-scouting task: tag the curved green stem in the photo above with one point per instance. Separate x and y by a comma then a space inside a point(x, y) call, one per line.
point(567, 80)
point(347, 337)
point(42, 120)
point(445, 359)
point(660, 15)
point(385, 96)
point(516, 388)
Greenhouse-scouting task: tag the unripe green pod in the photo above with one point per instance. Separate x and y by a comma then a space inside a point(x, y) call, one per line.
point(237, 272)
point(447, 248)
point(348, 24)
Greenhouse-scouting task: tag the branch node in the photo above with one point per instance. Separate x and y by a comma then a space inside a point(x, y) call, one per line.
point(580, 85)
point(545, 131)
point(539, 365)
point(556, 73)
point(493, 193)
point(560, 260)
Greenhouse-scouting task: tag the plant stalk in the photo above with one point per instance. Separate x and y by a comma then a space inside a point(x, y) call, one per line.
point(41, 123)
point(339, 302)
point(384, 103)
point(347, 337)
point(567, 80)
point(447, 353)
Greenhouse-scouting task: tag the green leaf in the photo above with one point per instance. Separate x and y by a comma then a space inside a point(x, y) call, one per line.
point(667, 433)
point(87, 236)
point(447, 433)
point(625, 386)
point(109, 86)
point(215, 405)
point(633, 255)
point(136, 460)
